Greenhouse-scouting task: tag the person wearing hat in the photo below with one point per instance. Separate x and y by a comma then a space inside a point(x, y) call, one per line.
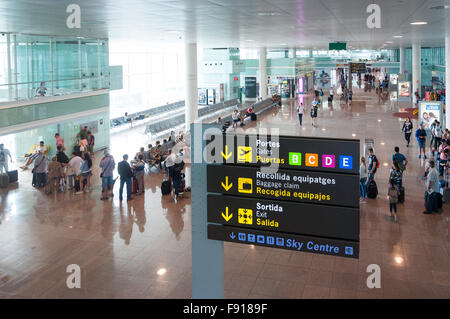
point(107, 166)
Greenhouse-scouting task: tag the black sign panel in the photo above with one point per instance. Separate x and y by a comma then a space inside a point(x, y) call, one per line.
point(311, 244)
point(299, 153)
point(283, 216)
point(358, 67)
point(299, 186)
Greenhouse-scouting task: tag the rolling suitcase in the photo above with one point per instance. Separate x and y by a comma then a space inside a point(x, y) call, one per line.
point(166, 187)
point(4, 180)
point(372, 189)
point(13, 176)
point(401, 194)
point(134, 185)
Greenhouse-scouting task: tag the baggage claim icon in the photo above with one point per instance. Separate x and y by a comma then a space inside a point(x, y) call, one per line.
point(245, 216)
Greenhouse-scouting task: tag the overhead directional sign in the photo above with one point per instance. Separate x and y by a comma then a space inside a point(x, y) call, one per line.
point(298, 186)
point(283, 216)
point(318, 245)
point(299, 153)
point(358, 67)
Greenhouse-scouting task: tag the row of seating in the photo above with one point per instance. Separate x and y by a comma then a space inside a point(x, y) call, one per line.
point(177, 120)
point(258, 108)
point(150, 112)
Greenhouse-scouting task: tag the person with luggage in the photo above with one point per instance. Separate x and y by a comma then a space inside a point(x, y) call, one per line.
point(362, 181)
point(421, 136)
point(55, 172)
point(399, 158)
point(396, 175)
point(393, 199)
point(407, 129)
point(444, 151)
point(107, 166)
point(374, 164)
point(301, 111)
point(313, 112)
point(126, 174)
point(40, 169)
point(432, 189)
point(86, 173)
point(139, 169)
point(4, 154)
point(73, 169)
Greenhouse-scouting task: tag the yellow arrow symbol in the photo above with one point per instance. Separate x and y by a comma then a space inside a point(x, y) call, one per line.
point(226, 216)
point(226, 155)
point(226, 185)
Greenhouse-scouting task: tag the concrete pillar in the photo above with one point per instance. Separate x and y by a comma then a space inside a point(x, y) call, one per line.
point(191, 84)
point(447, 81)
point(402, 60)
point(263, 73)
point(416, 68)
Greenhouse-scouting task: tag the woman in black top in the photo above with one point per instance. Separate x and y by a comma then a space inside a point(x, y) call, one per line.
point(407, 128)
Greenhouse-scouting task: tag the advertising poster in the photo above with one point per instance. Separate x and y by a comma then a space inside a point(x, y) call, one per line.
point(430, 111)
point(202, 96)
point(404, 89)
point(393, 79)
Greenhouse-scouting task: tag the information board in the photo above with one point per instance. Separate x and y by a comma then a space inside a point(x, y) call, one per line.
point(283, 216)
point(326, 246)
point(358, 67)
point(299, 186)
point(299, 153)
point(297, 193)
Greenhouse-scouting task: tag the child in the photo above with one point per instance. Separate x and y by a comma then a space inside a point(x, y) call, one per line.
point(393, 198)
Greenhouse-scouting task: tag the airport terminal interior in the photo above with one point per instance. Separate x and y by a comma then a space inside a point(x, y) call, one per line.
point(329, 82)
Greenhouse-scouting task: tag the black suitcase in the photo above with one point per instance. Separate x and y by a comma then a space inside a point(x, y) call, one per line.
point(166, 187)
point(13, 176)
point(253, 117)
point(372, 189)
point(330, 99)
point(401, 194)
point(34, 180)
point(77, 186)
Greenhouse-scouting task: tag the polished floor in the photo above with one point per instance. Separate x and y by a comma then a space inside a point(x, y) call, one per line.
point(142, 249)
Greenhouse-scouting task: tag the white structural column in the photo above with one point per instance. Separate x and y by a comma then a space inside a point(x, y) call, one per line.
point(263, 73)
point(191, 84)
point(402, 60)
point(447, 81)
point(416, 68)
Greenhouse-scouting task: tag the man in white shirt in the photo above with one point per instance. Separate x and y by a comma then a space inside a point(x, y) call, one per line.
point(432, 184)
point(74, 168)
point(4, 153)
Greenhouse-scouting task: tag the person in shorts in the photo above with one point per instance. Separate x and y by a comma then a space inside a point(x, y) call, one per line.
point(107, 166)
point(235, 118)
point(421, 136)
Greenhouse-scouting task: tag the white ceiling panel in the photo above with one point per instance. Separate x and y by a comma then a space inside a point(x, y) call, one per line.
point(312, 23)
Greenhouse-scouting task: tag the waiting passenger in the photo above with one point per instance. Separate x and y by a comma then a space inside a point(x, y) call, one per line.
point(42, 148)
point(363, 181)
point(4, 153)
point(86, 173)
point(55, 172)
point(235, 118)
point(393, 199)
point(40, 169)
point(107, 165)
point(126, 174)
point(41, 90)
point(373, 165)
point(139, 168)
point(73, 168)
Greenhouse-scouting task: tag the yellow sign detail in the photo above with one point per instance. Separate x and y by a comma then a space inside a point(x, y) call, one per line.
point(226, 155)
point(244, 154)
point(227, 216)
point(245, 185)
point(227, 186)
point(245, 216)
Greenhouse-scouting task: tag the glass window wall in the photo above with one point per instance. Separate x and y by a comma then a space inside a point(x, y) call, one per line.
point(39, 66)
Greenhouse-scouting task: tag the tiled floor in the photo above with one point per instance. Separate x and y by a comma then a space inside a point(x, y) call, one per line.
point(142, 249)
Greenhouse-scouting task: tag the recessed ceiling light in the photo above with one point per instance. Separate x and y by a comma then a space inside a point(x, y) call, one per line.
point(398, 36)
point(419, 23)
point(161, 271)
point(269, 13)
point(283, 44)
point(388, 41)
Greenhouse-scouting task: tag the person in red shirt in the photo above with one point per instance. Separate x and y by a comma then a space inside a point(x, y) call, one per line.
point(59, 141)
